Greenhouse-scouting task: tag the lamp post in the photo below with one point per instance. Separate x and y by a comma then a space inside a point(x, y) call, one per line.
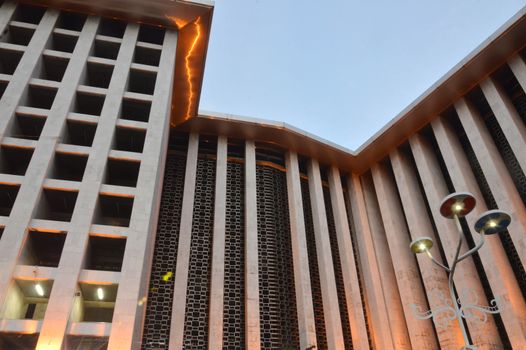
point(455, 206)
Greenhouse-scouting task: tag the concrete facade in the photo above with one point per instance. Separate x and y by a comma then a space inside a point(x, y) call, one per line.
point(123, 230)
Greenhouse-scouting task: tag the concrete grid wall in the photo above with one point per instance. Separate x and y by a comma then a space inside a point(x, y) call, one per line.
point(84, 127)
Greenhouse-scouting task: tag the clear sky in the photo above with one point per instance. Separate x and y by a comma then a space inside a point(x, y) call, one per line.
point(340, 69)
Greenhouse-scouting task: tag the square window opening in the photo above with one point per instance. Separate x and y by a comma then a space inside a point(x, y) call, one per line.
point(56, 205)
point(96, 303)
point(141, 82)
point(128, 139)
point(105, 49)
point(122, 172)
point(29, 14)
point(15, 160)
point(98, 75)
point(52, 68)
point(146, 55)
point(151, 34)
point(27, 299)
point(67, 166)
point(39, 97)
point(14, 34)
point(88, 104)
point(27, 126)
point(113, 210)
point(105, 254)
point(110, 27)
point(9, 60)
point(62, 42)
point(71, 21)
point(43, 248)
point(86, 342)
point(78, 133)
point(135, 110)
point(8, 195)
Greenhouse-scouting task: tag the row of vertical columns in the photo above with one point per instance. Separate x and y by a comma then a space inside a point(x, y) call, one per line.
point(493, 256)
point(349, 272)
point(65, 284)
point(466, 276)
point(324, 256)
point(177, 323)
point(306, 324)
point(16, 229)
point(494, 169)
point(127, 320)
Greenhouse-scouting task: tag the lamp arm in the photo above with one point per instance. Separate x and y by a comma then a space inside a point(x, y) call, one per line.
point(436, 262)
point(474, 249)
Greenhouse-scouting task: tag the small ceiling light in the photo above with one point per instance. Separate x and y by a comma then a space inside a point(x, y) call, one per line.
point(492, 224)
point(421, 245)
point(458, 207)
point(39, 290)
point(100, 293)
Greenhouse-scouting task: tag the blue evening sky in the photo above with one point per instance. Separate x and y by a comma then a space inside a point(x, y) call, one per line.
point(339, 69)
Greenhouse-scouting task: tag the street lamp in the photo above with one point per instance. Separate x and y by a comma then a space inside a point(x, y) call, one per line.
point(455, 206)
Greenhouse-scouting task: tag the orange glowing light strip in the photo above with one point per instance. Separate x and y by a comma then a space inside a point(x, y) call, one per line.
point(189, 70)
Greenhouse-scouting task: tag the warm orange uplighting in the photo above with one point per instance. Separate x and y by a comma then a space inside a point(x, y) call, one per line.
point(189, 76)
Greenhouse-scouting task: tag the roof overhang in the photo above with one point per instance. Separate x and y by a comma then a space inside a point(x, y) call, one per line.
point(480, 63)
point(192, 19)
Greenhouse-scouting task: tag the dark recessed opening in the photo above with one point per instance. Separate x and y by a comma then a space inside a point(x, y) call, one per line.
point(98, 75)
point(67, 166)
point(105, 49)
point(52, 68)
point(78, 133)
point(56, 205)
point(128, 139)
point(151, 34)
point(7, 198)
point(141, 82)
point(122, 172)
point(29, 14)
point(27, 126)
point(1, 231)
point(3, 86)
point(111, 27)
point(62, 42)
point(18, 341)
point(113, 210)
point(145, 55)
point(105, 253)
point(14, 160)
point(135, 110)
point(14, 34)
point(43, 248)
point(71, 21)
point(39, 97)
point(9, 60)
point(86, 342)
point(88, 104)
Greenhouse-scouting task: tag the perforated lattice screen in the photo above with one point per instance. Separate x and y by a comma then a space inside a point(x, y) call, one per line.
point(278, 316)
point(160, 295)
point(197, 299)
point(336, 263)
point(321, 335)
point(234, 293)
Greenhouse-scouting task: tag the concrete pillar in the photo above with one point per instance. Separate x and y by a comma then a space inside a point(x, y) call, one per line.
point(509, 120)
point(493, 257)
point(6, 12)
point(252, 325)
point(65, 284)
point(126, 330)
point(466, 276)
point(500, 183)
point(407, 273)
point(349, 274)
point(306, 324)
point(333, 326)
point(183, 248)
point(518, 67)
point(217, 283)
point(395, 311)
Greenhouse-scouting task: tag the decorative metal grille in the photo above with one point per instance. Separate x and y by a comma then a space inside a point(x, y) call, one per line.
point(198, 292)
point(160, 296)
point(321, 335)
point(234, 293)
point(336, 263)
point(278, 316)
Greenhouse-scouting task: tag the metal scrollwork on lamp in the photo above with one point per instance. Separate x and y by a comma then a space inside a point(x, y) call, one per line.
point(455, 206)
